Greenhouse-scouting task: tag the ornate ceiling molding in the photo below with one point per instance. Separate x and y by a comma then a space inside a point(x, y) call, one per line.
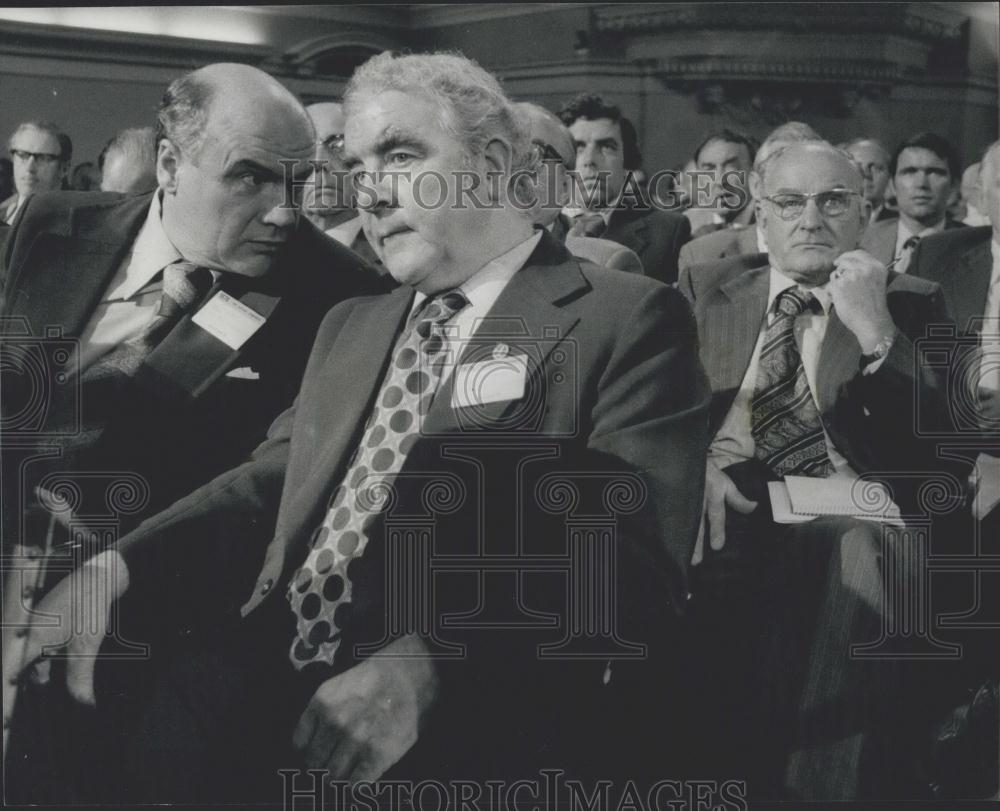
point(917, 20)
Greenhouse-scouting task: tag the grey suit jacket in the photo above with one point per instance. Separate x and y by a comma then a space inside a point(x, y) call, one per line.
point(962, 263)
point(869, 417)
point(605, 253)
point(719, 245)
point(879, 238)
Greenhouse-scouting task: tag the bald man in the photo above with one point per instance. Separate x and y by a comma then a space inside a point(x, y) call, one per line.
point(174, 398)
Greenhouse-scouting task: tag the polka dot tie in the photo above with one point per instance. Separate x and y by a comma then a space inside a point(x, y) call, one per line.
point(320, 591)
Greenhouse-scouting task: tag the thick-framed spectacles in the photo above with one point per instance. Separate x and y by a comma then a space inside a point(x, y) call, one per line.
point(831, 203)
point(41, 157)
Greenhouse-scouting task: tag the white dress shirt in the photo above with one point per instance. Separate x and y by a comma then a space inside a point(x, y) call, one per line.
point(903, 233)
point(734, 440)
point(482, 289)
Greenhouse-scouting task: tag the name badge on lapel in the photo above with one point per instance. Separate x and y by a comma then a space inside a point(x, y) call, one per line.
point(228, 319)
point(499, 378)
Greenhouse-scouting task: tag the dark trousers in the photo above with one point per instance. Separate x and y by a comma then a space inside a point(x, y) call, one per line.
point(774, 615)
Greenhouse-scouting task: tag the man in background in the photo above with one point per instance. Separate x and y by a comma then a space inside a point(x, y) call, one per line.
point(924, 171)
point(608, 202)
point(745, 241)
point(326, 195)
point(872, 159)
point(726, 203)
point(129, 164)
point(41, 154)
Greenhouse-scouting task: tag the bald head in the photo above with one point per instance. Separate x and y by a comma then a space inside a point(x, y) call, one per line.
point(239, 91)
point(552, 183)
point(546, 127)
point(229, 137)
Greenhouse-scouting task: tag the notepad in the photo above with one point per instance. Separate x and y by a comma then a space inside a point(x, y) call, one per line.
point(803, 498)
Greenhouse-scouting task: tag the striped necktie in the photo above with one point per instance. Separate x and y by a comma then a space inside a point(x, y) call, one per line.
point(785, 421)
point(320, 591)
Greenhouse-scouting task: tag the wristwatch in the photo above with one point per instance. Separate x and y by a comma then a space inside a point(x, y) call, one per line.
point(879, 351)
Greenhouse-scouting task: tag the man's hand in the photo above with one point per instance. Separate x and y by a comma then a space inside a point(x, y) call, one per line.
point(720, 493)
point(72, 620)
point(857, 287)
point(361, 722)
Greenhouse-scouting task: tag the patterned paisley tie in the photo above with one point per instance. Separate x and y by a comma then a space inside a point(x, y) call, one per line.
point(320, 591)
point(785, 421)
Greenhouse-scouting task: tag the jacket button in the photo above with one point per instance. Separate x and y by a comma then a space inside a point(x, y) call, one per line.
point(266, 586)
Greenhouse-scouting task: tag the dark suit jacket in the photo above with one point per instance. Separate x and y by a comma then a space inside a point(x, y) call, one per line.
point(184, 419)
point(879, 238)
point(615, 393)
point(656, 236)
point(719, 245)
point(961, 262)
point(870, 418)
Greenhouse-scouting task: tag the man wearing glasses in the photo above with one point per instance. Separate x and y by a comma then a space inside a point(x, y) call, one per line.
point(325, 202)
point(811, 360)
point(41, 154)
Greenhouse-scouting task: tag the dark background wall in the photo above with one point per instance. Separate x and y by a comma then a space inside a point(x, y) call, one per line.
point(679, 70)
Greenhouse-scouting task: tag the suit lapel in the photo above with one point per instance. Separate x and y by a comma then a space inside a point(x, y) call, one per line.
point(189, 359)
point(77, 270)
point(731, 326)
point(838, 361)
point(629, 228)
point(526, 319)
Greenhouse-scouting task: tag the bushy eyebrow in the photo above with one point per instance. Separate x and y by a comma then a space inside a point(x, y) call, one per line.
point(601, 142)
point(250, 165)
point(390, 138)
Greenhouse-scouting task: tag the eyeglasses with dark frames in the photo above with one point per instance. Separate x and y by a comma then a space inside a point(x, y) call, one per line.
point(41, 157)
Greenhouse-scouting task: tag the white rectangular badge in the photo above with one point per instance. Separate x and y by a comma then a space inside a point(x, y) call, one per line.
point(229, 320)
point(490, 381)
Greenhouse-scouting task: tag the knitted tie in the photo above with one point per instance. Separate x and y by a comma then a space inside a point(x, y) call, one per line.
point(588, 225)
point(184, 285)
point(320, 591)
point(785, 421)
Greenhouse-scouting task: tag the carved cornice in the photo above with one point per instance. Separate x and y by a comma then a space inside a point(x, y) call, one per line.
point(749, 69)
point(916, 20)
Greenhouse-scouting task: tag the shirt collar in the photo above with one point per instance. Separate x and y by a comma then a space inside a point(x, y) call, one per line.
point(151, 252)
point(779, 282)
point(904, 233)
point(484, 285)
